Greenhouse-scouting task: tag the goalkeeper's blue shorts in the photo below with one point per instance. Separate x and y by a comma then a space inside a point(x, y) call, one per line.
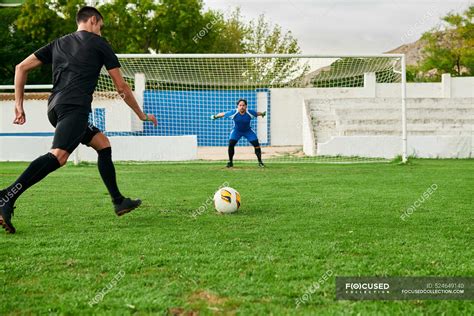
point(236, 135)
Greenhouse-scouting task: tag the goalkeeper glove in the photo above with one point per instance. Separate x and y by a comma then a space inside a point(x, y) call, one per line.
point(263, 114)
point(213, 117)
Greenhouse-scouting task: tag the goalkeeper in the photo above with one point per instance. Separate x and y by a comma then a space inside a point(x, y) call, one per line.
point(76, 59)
point(242, 117)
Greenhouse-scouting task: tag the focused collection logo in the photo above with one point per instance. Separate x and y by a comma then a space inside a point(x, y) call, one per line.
point(404, 288)
point(367, 287)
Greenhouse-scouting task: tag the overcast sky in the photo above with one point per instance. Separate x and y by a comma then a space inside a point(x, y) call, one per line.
point(348, 26)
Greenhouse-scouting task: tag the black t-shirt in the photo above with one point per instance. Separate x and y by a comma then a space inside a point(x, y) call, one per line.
point(76, 59)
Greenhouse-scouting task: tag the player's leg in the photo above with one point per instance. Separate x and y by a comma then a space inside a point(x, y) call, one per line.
point(252, 138)
point(234, 138)
point(97, 140)
point(258, 152)
point(106, 167)
point(231, 152)
point(70, 128)
point(35, 172)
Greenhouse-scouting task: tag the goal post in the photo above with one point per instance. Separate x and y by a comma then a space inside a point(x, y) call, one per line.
point(404, 109)
point(352, 106)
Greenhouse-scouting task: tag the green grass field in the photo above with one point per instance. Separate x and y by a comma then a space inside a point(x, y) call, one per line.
point(297, 222)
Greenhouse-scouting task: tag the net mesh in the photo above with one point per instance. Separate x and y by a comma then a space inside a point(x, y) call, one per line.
point(297, 93)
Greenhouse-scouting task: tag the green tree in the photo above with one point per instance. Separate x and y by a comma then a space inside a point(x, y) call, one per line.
point(218, 34)
point(179, 23)
point(227, 34)
point(25, 29)
point(263, 38)
point(17, 45)
point(43, 21)
point(143, 26)
point(451, 49)
point(131, 26)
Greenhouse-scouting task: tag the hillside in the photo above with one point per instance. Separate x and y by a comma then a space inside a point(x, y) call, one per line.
point(412, 51)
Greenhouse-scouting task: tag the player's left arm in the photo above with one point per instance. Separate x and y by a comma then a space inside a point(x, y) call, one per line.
point(127, 95)
point(256, 114)
point(112, 65)
point(21, 74)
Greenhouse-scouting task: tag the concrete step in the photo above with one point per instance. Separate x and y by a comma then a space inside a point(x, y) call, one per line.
point(391, 114)
point(382, 103)
point(435, 121)
point(357, 130)
point(351, 132)
point(433, 128)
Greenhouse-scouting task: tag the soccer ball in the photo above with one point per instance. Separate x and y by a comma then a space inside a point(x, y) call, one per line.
point(226, 200)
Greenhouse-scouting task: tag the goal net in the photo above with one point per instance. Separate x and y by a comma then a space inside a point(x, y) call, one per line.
point(318, 108)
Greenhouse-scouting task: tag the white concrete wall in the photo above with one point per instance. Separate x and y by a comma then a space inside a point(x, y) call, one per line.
point(390, 146)
point(130, 148)
point(371, 127)
point(462, 87)
point(119, 117)
point(36, 119)
point(287, 111)
point(309, 133)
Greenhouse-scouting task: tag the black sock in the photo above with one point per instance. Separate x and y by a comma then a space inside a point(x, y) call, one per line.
point(36, 171)
point(258, 152)
point(107, 172)
point(231, 150)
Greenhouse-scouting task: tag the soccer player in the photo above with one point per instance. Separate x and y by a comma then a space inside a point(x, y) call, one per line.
point(76, 59)
point(242, 117)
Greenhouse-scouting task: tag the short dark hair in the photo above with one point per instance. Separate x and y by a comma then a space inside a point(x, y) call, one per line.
point(242, 100)
point(85, 13)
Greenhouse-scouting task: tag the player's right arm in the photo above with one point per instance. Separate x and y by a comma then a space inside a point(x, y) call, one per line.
point(218, 115)
point(127, 95)
point(21, 74)
point(223, 114)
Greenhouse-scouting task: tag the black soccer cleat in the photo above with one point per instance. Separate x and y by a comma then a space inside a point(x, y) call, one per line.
point(261, 164)
point(126, 206)
point(6, 218)
point(230, 164)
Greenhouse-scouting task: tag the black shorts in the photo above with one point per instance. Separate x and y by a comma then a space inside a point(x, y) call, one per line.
point(72, 127)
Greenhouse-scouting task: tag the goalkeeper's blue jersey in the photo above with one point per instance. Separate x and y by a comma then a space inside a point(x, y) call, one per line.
point(241, 121)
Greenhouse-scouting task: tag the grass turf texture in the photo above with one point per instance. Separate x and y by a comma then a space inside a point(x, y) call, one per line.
point(296, 223)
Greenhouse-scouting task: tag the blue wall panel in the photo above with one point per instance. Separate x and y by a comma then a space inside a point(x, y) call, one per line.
point(188, 113)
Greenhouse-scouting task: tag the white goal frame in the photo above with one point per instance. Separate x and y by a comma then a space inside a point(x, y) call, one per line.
point(404, 151)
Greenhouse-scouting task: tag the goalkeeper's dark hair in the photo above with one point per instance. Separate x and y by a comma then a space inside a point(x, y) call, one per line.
point(85, 13)
point(242, 100)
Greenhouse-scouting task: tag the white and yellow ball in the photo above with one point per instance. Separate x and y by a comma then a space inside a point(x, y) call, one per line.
point(226, 200)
